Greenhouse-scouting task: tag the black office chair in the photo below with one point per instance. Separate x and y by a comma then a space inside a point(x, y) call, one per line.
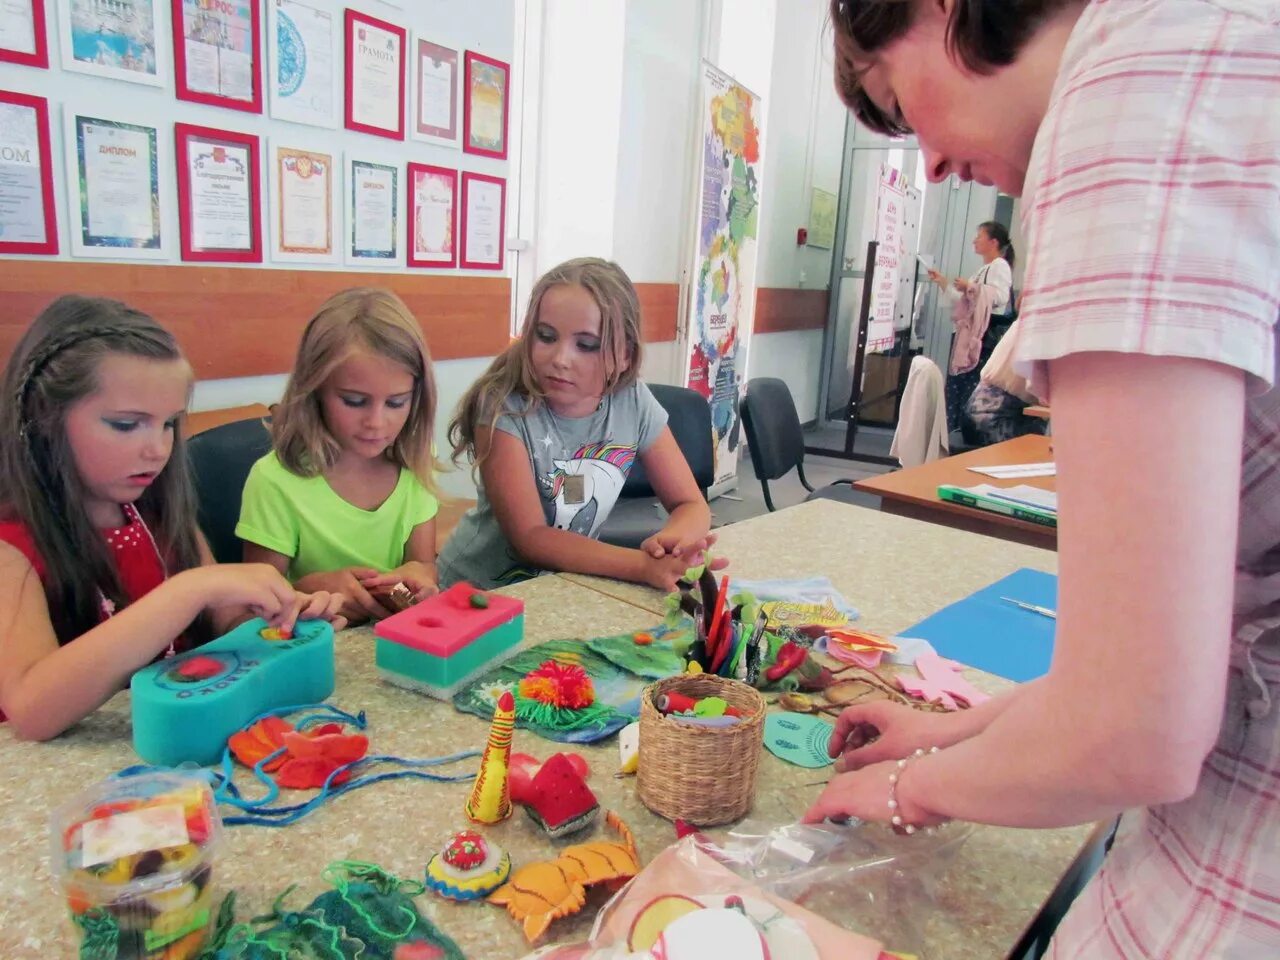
point(636, 516)
point(220, 463)
point(776, 442)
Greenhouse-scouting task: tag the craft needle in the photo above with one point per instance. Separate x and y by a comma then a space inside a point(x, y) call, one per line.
point(1043, 611)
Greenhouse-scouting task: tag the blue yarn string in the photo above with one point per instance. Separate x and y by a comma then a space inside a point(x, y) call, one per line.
point(258, 811)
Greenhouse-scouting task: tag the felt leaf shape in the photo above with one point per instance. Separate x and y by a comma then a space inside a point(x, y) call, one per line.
point(309, 773)
point(340, 747)
point(259, 740)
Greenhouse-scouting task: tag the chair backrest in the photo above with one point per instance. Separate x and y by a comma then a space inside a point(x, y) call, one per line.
point(773, 429)
point(220, 461)
point(689, 417)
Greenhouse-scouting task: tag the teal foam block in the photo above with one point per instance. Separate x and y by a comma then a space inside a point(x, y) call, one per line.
point(991, 634)
point(439, 644)
point(186, 707)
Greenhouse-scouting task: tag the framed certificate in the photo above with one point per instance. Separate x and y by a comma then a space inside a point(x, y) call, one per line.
point(485, 111)
point(304, 204)
point(306, 46)
point(216, 53)
point(219, 195)
point(22, 33)
point(484, 220)
point(433, 216)
point(437, 89)
point(27, 221)
point(374, 201)
point(113, 187)
point(116, 39)
point(374, 76)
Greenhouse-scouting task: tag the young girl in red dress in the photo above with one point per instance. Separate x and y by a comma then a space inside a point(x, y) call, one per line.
point(98, 540)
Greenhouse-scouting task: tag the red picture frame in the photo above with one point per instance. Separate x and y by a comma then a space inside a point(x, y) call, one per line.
point(353, 21)
point(411, 222)
point(40, 58)
point(50, 244)
point(473, 58)
point(183, 134)
point(184, 92)
point(466, 260)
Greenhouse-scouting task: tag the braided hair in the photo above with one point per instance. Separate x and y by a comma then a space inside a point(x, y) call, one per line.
point(52, 368)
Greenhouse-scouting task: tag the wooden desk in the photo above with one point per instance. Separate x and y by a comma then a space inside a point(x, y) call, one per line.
point(973, 901)
point(914, 492)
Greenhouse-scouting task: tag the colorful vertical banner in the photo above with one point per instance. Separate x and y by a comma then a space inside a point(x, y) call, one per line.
point(723, 291)
point(891, 196)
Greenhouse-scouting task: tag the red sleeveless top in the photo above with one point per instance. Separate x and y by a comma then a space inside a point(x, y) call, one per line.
point(137, 558)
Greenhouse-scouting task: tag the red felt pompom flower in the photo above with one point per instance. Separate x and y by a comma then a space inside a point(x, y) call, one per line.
point(560, 685)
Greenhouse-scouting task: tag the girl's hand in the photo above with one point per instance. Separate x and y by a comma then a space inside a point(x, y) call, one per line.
point(871, 733)
point(692, 550)
point(322, 606)
point(961, 284)
point(938, 278)
point(419, 577)
point(662, 573)
point(258, 586)
point(358, 604)
point(864, 794)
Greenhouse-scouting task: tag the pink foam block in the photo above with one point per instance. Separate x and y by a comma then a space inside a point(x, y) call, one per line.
point(940, 682)
point(446, 623)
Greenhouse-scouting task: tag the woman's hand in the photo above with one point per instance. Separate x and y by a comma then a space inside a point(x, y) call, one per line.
point(961, 284)
point(938, 278)
point(870, 733)
point(864, 794)
point(358, 604)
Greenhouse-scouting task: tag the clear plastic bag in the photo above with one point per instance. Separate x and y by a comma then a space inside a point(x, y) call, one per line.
point(785, 880)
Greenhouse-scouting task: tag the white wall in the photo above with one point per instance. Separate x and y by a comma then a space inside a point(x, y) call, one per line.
point(482, 25)
point(804, 137)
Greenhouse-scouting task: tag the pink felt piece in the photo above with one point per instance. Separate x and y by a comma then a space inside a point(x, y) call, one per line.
point(940, 682)
point(444, 624)
point(867, 659)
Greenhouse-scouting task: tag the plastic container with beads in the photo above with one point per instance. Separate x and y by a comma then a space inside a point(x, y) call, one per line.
point(134, 856)
point(705, 775)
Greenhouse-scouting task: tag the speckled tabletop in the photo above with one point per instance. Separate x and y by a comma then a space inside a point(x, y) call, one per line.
point(972, 902)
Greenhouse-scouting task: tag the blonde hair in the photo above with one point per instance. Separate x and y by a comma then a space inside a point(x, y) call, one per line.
point(377, 320)
point(511, 372)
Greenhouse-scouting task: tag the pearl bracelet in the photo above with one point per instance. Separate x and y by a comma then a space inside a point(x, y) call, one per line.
point(896, 817)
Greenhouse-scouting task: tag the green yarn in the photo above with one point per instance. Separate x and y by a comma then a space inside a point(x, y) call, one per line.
point(539, 714)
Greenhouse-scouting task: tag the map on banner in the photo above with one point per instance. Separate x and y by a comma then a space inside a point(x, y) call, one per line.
point(724, 286)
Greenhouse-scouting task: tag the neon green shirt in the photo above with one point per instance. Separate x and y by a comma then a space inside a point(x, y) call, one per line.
point(302, 518)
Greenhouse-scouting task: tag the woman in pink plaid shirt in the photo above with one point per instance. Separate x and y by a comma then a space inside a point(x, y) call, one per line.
point(1144, 139)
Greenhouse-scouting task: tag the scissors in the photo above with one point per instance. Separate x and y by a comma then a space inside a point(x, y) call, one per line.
point(1043, 611)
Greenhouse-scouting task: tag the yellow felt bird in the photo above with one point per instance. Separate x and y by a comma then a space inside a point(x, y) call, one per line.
point(490, 800)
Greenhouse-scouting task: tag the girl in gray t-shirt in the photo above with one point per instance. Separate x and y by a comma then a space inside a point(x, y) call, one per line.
point(553, 428)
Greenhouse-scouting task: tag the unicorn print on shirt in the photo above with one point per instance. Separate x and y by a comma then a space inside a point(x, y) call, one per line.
point(580, 492)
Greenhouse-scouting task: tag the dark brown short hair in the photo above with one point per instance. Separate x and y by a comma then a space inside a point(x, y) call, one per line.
point(982, 35)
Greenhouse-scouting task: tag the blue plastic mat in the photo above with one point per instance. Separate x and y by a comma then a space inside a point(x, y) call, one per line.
point(991, 634)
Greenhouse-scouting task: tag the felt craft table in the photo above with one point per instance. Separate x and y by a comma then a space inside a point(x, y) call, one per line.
point(913, 492)
point(976, 903)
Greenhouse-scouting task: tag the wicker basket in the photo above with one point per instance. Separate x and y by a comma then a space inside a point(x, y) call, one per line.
point(705, 775)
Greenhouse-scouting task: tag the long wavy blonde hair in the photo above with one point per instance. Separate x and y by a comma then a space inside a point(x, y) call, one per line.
point(378, 321)
point(512, 373)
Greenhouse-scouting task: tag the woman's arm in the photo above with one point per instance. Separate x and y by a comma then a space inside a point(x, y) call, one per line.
point(1148, 452)
point(512, 490)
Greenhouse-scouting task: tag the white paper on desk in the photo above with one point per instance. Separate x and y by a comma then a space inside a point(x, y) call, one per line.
point(1018, 470)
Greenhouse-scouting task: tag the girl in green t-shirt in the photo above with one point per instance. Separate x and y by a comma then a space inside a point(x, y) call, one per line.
point(346, 497)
